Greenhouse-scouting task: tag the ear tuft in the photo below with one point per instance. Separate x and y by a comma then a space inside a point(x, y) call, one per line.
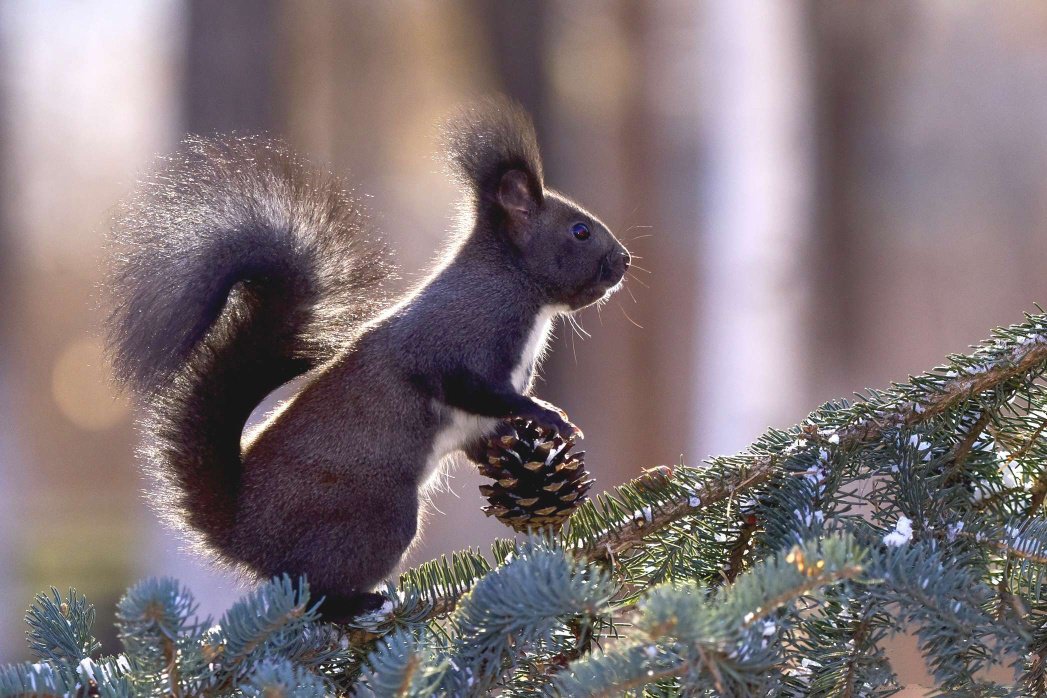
point(489, 138)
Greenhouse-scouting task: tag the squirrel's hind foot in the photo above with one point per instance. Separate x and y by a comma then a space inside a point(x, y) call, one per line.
point(341, 609)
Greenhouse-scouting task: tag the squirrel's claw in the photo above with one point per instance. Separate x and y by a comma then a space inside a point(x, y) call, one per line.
point(550, 417)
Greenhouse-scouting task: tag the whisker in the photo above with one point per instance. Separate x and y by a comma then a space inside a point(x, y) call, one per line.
point(582, 333)
point(622, 308)
point(633, 238)
point(637, 267)
point(574, 348)
point(629, 291)
point(570, 321)
point(442, 486)
point(586, 332)
point(637, 279)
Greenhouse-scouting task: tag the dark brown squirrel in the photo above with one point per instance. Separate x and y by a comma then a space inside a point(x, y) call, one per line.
point(237, 267)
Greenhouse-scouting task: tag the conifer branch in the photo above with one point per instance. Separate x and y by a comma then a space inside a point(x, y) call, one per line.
point(867, 426)
point(933, 556)
point(864, 430)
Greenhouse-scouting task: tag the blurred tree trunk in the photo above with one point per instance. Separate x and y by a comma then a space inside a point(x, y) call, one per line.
point(661, 227)
point(230, 81)
point(932, 203)
point(516, 34)
point(88, 102)
point(11, 594)
point(591, 118)
point(855, 48)
point(757, 194)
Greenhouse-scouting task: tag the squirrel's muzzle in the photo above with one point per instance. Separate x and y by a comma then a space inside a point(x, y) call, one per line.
point(614, 266)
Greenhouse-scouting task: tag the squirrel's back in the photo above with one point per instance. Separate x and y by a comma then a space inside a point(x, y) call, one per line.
point(236, 267)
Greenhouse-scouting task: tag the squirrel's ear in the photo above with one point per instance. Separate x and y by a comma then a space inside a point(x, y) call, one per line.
point(519, 204)
point(514, 194)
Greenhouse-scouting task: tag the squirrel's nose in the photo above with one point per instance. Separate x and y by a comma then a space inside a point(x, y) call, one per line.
point(614, 265)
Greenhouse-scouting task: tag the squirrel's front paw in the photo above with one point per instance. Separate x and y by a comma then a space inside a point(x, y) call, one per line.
point(549, 416)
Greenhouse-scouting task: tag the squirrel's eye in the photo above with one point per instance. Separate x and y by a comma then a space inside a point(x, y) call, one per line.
point(581, 231)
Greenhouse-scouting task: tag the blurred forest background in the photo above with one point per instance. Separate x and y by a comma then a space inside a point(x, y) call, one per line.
point(828, 196)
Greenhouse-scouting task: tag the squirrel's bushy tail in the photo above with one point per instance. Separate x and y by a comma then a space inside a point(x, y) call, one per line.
point(235, 268)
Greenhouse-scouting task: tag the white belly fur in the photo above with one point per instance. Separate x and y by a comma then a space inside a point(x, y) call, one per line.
point(463, 427)
point(534, 349)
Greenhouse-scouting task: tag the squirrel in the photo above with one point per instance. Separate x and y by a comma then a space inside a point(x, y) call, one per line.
point(237, 267)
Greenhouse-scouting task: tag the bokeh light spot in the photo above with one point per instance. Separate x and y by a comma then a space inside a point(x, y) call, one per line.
point(80, 387)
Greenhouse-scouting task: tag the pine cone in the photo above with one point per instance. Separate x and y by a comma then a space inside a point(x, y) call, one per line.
point(538, 481)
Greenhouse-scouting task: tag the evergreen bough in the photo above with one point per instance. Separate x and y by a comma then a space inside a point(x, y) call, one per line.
point(775, 572)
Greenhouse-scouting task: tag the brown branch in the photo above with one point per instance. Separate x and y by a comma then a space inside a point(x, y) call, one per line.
point(154, 612)
point(630, 534)
point(956, 390)
point(171, 660)
point(583, 637)
point(1039, 488)
point(953, 393)
point(963, 449)
point(713, 669)
point(1008, 550)
point(412, 666)
point(679, 669)
point(813, 582)
point(857, 638)
point(1034, 676)
point(231, 664)
point(1011, 551)
point(736, 558)
point(994, 497)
